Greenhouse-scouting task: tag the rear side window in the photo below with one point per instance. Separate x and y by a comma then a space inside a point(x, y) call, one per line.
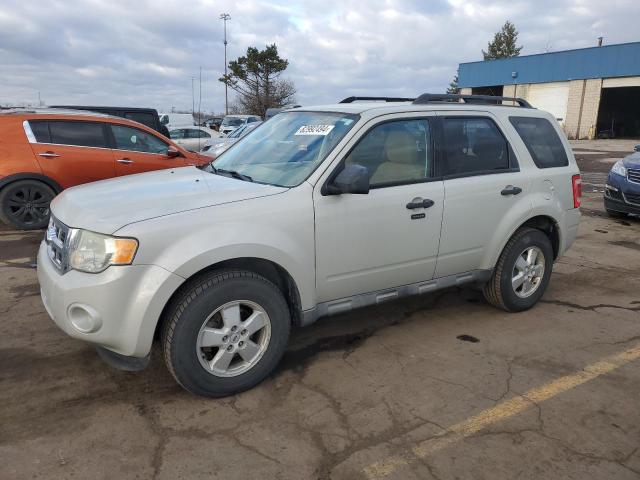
point(81, 134)
point(473, 145)
point(40, 130)
point(542, 141)
point(143, 118)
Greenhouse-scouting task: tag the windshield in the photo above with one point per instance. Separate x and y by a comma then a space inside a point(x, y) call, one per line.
point(287, 148)
point(232, 121)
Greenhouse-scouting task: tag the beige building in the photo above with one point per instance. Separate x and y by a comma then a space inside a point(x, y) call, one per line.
point(592, 92)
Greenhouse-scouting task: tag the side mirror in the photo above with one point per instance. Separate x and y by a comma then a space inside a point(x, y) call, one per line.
point(173, 152)
point(352, 179)
point(636, 148)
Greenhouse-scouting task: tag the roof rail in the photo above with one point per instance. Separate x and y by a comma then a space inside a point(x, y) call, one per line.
point(379, 99)
point(454, 97)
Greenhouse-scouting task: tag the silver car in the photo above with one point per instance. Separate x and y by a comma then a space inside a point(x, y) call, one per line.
point(214, 147)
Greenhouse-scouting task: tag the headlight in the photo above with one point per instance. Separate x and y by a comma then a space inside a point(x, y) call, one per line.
point(93, 252)
point(619, 168)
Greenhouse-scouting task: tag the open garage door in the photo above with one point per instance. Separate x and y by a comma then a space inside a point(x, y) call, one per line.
point(619, 113)
point(551, 97)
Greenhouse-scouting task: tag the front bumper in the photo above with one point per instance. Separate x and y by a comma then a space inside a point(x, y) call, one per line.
point(622, 195)
point(117, 309)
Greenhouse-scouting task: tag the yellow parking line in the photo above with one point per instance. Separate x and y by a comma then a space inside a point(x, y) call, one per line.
point(502, 411)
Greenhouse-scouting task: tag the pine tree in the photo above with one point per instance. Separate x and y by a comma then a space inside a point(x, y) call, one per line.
point(453, 86)
point(503, 44)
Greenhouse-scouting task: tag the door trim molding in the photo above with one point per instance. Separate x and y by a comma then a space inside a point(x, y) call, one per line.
point(347, 304)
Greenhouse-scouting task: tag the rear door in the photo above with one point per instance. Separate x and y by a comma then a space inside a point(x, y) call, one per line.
point(72, 152)
point(137, 151)
point(484, 189)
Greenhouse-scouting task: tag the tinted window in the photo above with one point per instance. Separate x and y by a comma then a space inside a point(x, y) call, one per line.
point(395, 152)
point(143, 118)
point(542, 141)
point(128, 138)
point(83, 134)
point(177, 134)
point(164, 119)
point(40, 131)
point(252, 119)
point(195, 133)
point(473, 145)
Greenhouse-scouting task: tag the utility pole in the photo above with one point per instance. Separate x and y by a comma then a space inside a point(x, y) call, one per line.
point(193, 97)
point(224, 17)
point(200, 99)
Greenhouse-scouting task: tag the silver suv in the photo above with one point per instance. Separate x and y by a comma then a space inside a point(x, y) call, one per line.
point(319, 211)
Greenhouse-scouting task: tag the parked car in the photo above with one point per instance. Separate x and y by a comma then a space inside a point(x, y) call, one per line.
point(145, 116)
point(213, 123)
point(174, 120)
point(319, 211)
point(47, 150)
point(213, 148)
point(622, 190)
point(231, 122)
point(193, 138)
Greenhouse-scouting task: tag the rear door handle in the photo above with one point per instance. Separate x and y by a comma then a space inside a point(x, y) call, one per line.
point(420, 203)
point(49, 155)
point(510, 190)
point(126, 161)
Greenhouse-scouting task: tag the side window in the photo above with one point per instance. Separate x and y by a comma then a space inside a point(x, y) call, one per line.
point(542, 141)
point(473, 145)
point(40, 130)
point(164, 119)
point(177, 134)
point(128, 138)
point(252, 119)
point(143, 118)
point(395, 152)
point(81, 134)
point(203, 134)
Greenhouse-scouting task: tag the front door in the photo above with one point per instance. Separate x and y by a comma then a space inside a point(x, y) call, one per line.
point(390, 236)
point(137, 151)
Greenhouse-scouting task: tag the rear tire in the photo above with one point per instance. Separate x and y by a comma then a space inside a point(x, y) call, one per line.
point(515, 284)
point(210, 344)
point(24, 204)
point(614, 214)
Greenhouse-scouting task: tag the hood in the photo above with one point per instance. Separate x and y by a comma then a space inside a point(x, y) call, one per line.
point(632, 161)
point(108, 205)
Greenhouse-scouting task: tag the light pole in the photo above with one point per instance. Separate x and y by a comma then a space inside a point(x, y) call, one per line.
point(224, 17)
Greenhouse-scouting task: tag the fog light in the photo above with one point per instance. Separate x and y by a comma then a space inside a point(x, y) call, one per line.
point(84, 319)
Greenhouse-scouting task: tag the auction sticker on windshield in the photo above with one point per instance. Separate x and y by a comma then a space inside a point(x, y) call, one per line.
point(314, 130)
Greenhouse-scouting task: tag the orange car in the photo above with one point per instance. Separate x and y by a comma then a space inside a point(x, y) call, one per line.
point(44, 151)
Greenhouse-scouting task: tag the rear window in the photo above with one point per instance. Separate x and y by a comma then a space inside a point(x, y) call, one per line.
point(542, 141)
point(81, 134)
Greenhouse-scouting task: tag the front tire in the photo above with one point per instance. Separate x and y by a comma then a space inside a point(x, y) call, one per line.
point(226, 333)
point(522, 273)
point(24, 204)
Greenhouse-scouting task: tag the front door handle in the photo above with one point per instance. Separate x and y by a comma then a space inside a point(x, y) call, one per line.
point(49, 155)
point(126, 161)
point(420, 203)
point(510, 190)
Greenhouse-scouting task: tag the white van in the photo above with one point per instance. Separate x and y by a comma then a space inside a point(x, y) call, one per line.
point(172, 120)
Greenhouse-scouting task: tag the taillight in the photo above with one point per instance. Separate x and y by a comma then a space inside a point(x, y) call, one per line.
point(576, 183)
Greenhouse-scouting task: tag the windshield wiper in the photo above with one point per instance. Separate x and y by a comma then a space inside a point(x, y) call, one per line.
point(232, 173)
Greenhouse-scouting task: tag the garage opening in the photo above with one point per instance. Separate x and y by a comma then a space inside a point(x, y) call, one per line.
point(618, 113)
point(496, 90)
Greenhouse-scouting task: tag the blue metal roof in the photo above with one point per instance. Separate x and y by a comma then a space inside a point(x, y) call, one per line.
point(622, 60)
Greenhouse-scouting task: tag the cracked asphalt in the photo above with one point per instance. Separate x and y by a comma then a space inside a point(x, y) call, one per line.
point(385, 392)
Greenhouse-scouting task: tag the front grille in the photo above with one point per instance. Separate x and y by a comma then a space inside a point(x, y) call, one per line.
point(633, 175)
point(57, 239)
point(633, 198)
point(613, 194)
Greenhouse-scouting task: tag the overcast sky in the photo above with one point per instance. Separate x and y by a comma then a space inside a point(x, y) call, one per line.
point(144, 53)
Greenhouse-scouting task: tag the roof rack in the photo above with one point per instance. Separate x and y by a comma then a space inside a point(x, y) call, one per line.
point(454, 98)
point(379, 99)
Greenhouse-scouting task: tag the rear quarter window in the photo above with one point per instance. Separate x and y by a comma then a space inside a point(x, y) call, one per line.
point(542, 141)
